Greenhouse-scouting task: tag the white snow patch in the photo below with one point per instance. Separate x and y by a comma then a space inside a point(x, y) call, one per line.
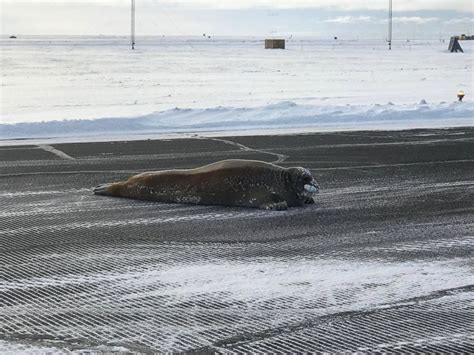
point(24, 348)
point(335, 284)
point(15, 347)
point(309, 280)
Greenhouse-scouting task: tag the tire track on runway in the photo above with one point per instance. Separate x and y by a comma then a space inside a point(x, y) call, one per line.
point(245, 342)
point(280, 157)
point(52, 150)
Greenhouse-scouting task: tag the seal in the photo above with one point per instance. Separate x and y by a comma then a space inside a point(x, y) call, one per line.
point(242, 183)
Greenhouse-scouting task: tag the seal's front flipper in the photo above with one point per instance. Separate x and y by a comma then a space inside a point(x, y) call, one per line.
point(103, 189)
point(274, 202)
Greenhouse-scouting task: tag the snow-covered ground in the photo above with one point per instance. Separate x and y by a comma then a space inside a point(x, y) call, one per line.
point(97, 86)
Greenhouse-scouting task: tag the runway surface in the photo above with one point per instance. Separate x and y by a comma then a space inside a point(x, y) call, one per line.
point(382, 263)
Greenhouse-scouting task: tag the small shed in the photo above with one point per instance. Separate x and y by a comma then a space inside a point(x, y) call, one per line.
point(274, 44)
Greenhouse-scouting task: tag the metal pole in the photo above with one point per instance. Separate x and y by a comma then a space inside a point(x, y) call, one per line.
point(133, 25)
point(390, 16)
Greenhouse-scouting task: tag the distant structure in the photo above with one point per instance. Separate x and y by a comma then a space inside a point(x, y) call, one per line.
point(13, 37)
point(274, 44)
point(465, 37)
point(390, 17)
point(132, 34)
point(454, 45)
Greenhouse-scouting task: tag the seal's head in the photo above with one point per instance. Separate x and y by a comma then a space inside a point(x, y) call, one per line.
point(304, 184)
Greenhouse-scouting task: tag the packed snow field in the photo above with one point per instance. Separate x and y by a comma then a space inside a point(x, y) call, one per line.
point(97, 86)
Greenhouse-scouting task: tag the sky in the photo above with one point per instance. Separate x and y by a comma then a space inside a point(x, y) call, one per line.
point(324, 18)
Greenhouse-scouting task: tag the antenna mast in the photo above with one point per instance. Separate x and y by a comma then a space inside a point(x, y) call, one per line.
point(132, 37)
point(390, 16)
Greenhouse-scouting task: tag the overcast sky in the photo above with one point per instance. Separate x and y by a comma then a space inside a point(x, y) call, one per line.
point(321, 18)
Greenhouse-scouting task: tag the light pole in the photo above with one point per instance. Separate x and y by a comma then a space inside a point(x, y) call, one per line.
point(390, 16)
point(132, 35)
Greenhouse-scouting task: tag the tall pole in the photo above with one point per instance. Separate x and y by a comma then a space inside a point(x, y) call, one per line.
point(133, 25)
point(390, 16)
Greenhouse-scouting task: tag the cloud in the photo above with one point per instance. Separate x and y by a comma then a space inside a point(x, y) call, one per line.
point(203, 16)
point(351, 19)
point(398, 5)
point(461, 20)
point(415, 19)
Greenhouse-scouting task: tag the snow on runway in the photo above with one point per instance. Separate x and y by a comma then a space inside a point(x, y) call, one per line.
point(175, 297)
point(85, 286)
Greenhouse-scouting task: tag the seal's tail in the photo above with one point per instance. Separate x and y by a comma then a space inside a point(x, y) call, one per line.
point(106, 190)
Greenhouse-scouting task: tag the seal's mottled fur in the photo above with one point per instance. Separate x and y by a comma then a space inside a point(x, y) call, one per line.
point(245, 183)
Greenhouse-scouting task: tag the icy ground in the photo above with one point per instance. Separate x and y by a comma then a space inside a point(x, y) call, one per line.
point(381, 263)
point(86, 86)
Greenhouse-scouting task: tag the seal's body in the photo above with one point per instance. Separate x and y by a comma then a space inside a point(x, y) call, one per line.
point(245, 183)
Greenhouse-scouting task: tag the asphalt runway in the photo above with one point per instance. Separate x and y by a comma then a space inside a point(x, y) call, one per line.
point(382, 263)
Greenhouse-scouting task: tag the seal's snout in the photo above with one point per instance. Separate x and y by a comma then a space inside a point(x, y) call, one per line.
point(312, 187)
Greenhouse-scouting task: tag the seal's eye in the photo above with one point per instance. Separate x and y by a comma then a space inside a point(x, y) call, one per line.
point(307, 179)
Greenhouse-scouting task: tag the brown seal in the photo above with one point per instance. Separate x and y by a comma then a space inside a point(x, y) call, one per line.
point(244, 183)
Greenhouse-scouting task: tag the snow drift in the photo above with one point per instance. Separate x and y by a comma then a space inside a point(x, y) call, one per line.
point(284, 116)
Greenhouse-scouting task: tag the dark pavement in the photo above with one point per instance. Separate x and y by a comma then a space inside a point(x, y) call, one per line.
point(382, 263)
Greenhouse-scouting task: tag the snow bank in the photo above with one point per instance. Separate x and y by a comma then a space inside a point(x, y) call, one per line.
point(71, 78)
point(284, 116)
